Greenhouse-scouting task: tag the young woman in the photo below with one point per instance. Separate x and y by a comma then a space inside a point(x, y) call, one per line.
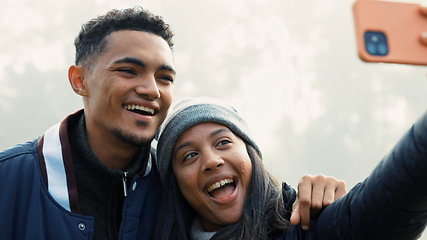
point(212, 168)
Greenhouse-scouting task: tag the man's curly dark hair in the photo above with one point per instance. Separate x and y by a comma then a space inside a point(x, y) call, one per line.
point(92, 38)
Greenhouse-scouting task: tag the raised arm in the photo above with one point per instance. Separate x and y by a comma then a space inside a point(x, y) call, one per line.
point(391, 203)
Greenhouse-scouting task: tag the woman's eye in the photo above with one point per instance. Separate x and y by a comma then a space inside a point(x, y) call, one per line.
point(223, 142)
point(189, 156)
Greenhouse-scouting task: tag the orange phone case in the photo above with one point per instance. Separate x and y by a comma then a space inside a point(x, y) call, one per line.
point(402, 25)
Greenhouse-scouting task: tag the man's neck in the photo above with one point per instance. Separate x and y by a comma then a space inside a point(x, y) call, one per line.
point(113, 154)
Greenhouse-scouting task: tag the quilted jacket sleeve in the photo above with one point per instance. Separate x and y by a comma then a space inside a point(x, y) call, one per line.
point(391, 203)
point(289, 195)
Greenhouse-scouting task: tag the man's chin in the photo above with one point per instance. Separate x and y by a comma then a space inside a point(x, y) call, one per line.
point(132, 139)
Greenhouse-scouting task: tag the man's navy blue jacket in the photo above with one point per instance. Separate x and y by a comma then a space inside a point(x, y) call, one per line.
point(38, 195)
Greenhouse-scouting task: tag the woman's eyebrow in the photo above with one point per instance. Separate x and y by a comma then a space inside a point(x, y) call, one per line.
point(218, 131)
point(183, 145)
point(212, 134)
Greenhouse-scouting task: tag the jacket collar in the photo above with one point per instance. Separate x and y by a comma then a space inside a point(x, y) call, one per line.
point(57, 166)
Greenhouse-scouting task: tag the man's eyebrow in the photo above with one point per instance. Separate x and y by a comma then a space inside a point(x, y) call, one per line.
point(167, 68)
point(142, 64)
point(130, 60)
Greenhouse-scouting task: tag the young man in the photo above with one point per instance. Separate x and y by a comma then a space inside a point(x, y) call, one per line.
point(95, 157)
point(93, 176)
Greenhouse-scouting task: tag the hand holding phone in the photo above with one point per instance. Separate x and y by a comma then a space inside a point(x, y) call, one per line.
point(390, 32)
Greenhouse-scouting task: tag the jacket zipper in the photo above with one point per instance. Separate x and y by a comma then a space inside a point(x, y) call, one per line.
point(125, 179)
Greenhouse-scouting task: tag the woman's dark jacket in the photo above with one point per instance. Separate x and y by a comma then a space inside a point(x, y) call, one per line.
point(390, 204)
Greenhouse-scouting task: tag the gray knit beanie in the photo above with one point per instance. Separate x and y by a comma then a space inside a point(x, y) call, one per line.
point(190, 112)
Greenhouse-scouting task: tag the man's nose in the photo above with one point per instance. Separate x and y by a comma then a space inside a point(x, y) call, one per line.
point(148, 88)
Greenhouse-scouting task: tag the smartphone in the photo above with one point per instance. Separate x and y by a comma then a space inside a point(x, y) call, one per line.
point(389, 32)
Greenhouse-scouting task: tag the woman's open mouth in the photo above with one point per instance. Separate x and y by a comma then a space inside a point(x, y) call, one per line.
point(222, 189)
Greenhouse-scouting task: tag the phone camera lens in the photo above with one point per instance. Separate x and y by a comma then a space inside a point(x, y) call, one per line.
point(376, 43)
point(374, 38)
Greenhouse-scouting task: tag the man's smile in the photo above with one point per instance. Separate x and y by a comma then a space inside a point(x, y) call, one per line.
point(139, 109)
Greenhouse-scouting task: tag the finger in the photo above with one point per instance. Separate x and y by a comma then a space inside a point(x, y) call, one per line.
point(304, 195)
point(329, 196)
point(318, 192)
point(304, 217)
point(340, 190)
point(295, 216)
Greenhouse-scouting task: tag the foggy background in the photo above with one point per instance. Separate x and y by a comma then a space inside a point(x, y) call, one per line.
point(290, 67)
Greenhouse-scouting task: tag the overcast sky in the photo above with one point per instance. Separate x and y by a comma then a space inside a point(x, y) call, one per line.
point(290, 67)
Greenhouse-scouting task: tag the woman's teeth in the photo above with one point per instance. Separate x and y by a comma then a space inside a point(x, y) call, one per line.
point(219, 184)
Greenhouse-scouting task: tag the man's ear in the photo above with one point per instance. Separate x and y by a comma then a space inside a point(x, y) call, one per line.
point(76, 79)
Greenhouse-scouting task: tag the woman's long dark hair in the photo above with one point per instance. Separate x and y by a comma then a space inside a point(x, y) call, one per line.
point(175, 214)
point(264, 214)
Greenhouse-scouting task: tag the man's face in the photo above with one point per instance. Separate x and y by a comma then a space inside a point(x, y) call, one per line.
point(129, 88)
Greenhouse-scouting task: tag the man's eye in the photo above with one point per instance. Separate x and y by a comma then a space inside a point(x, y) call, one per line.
point(167, 78)
point(127, 70)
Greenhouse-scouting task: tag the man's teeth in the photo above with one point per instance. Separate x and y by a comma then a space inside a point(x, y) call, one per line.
point(141, 108)
point(219, 184)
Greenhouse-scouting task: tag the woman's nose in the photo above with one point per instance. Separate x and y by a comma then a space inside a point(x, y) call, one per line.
point(211, 162)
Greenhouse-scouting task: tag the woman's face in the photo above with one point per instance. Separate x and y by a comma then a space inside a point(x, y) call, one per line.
point(213, 171)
